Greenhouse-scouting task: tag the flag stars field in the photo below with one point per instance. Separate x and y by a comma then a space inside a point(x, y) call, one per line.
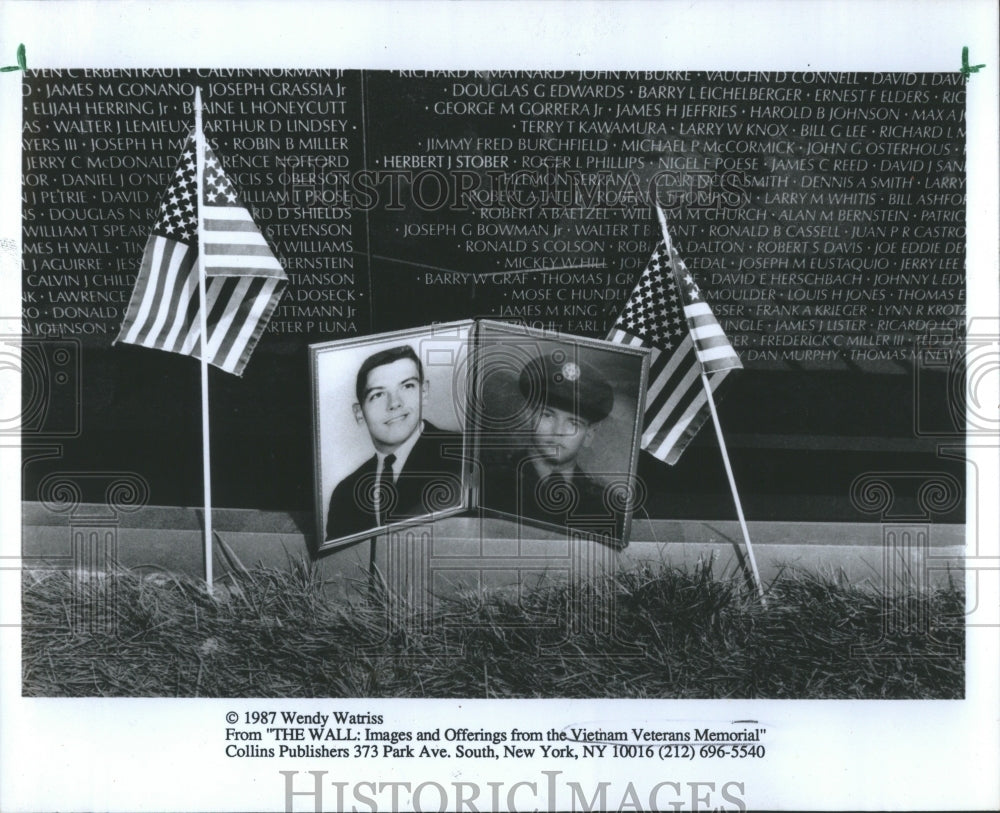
point(650, 314)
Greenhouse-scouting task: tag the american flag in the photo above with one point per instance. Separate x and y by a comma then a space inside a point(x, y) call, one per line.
point(243, 279)
point(667, 313)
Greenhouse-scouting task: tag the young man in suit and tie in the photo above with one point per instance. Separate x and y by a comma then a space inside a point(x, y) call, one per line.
point(416, 469)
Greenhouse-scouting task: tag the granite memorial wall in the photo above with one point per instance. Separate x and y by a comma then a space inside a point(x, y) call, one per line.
point(823, 215)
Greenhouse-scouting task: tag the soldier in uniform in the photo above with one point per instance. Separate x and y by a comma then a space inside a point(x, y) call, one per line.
point(567, 400)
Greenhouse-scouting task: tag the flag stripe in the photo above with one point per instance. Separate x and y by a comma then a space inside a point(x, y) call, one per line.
point(239, 256)
point(223, 290)
point(666, 367)
point(621, 337)
point(252, 327)
point(714, 338)
point(219, 220)
point(665, 434)
point(186, 288)
point(675, 400)
point(140, 304)
point(249, 268)
point(698, 418)
point(190, 323)
point(699, 321)
point(714, 353)
point(657, 361)
point(239, 305)
point(166, 263)
point(225, 244)
point(673, 442)
point(214, 211)
point(702, 332)
point(232, 301)
point(214, 224)
point(668, 381)
point(175, 271)
point(192, 341)
point(699, 309)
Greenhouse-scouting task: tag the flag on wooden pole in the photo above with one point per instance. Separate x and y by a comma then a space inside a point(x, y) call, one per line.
point(691, 355)
point(244, 280)
point(668, 313)
point(207, 285)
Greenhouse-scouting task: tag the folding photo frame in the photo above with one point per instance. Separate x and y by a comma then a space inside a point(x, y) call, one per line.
point(402, 394)
point(538, 428)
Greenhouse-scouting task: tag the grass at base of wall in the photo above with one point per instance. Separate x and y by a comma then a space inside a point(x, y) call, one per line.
point(653, 632)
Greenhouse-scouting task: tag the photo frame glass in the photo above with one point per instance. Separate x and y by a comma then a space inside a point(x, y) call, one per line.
point(399, 394)
point(557, 420)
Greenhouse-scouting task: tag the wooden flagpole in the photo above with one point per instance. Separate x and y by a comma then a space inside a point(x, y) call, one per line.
point(722, 441)
point(199, 137)
point(732, 487)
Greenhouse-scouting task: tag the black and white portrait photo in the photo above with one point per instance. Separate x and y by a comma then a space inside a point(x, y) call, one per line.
point(389, 443)
point(557, 422)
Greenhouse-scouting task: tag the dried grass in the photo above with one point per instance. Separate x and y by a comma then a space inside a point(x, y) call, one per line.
point(677, 634)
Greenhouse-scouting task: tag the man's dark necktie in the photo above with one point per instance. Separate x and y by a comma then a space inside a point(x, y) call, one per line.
point(383, 489)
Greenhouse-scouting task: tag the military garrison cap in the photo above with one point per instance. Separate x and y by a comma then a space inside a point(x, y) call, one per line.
point(553, 379)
